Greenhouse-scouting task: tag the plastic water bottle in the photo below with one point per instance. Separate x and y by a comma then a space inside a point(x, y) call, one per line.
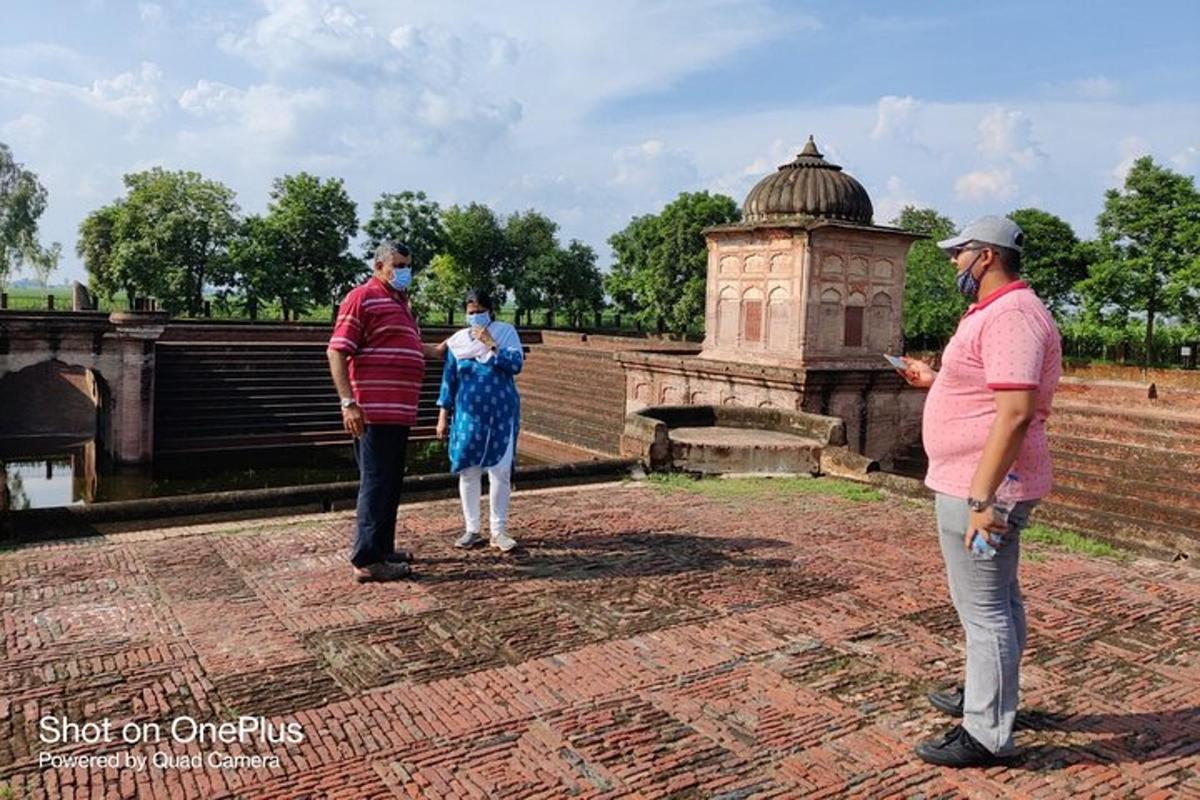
point(1000, 511)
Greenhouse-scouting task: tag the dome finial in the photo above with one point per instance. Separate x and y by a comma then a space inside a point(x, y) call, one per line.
point(810, 148)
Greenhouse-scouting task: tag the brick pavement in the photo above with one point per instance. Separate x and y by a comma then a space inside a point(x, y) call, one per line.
point(643, 644)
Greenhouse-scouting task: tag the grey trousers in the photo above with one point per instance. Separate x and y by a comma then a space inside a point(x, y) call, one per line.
point(987, 596)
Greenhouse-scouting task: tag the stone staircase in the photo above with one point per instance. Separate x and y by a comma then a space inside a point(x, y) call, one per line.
point(212, 397)
point(1124, 468)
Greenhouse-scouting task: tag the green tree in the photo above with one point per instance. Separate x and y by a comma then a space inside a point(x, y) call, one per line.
point(22, 201)
point(311, 223)
point(476, 241)
point(661, 260)
point(1054, 260)
point(932, 303)
point(439, 289)
point(1149, 241)
point(410, 218)
point(45, 261)
point(531, 256)
point(261, 275)
point(168, 237)
point(576, 286)
point(96, 246)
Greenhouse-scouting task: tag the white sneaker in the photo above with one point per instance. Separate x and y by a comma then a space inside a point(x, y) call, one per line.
point(503, 542)
point(468, 540)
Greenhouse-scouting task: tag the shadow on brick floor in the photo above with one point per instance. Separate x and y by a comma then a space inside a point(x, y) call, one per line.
point(590, 557)
point(1135, 738)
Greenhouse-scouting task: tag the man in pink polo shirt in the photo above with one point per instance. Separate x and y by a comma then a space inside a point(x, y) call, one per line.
point(377, 361)
point(984, 431)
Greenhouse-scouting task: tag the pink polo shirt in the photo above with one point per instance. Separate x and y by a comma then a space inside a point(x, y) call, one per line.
point(1006, 341)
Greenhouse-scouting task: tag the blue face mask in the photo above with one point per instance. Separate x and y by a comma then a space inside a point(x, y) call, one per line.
point(481, 319)
point(401, 278)
point(968, 284)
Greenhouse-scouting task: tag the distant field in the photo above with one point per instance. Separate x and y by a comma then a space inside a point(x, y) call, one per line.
point(26, 298)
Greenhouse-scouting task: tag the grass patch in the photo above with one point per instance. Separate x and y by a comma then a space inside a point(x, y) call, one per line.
point(734, 488)
point(1070, 541)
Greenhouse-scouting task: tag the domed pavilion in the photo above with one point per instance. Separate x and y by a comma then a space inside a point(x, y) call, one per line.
point(803, 298)
point(806, 279)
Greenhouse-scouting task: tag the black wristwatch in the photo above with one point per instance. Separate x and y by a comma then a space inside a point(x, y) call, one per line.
point(978, 505)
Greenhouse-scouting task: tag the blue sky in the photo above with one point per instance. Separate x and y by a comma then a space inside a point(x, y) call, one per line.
point(596, 112)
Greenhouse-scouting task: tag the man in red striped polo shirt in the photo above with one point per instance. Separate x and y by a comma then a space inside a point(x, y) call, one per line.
point(377, 360)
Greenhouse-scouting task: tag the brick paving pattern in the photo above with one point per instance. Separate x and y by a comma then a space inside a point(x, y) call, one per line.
point(642, 644)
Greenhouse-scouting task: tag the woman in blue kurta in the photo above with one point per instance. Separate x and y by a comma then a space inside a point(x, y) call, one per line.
point(479, 395)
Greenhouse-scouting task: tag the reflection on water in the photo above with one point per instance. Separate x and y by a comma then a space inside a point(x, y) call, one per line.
point(48, 473)
point(53, 473)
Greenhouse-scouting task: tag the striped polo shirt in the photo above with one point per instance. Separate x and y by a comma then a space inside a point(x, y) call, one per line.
point(387, 364)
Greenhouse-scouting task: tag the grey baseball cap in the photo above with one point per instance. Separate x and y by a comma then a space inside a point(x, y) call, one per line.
point(1000, 231)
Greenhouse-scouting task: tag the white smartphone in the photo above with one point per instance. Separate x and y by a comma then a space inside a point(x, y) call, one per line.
point(898, 363)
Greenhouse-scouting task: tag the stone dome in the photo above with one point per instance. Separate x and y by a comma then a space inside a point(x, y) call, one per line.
point(808, 187)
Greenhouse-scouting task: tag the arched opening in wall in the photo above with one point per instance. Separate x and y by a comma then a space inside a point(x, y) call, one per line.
point(53, 418)
point(853, 333)
point(752, 316)
point(52, 399)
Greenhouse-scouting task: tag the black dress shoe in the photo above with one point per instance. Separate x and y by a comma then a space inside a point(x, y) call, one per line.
point(399, 557)
point(957, 748)
point(948, 701)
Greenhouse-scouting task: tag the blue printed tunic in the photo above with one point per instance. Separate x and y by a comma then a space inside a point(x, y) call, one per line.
point(483, 398)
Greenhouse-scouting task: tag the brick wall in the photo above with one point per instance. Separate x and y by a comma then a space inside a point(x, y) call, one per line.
point(573, 391)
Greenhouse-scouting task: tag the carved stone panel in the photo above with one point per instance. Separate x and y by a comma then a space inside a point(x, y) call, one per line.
point(879, 322)
point(778, 318)
point(727, 317)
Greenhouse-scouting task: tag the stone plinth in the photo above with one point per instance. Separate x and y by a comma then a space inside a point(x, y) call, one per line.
point(882, 414)
point(730, 439)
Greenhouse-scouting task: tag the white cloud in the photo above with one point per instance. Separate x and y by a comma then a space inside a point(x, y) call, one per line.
point(263, 112)
point(1132, 148)
point(1007, 135)
point(134, 95)
point(654, 168)
point(896, 196)
point(296, 33)
point(209, 97)
point(1187, 159)
point(151, 14)
point(894, 118)
point(467, 120)
point(1097, 87)
point(985, 184)
point(25, 128)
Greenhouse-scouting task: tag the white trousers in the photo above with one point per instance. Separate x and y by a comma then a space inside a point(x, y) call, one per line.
point(470, 486)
